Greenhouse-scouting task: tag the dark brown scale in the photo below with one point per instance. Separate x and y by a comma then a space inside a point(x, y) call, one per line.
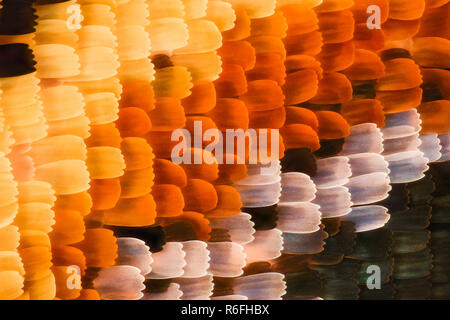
point(161, 61)
point(364, 90)
point(398, 198)
point(16, 60)
point(372, 245)
point(264, 218)
point(431, 92)
point(329, 148)
point(180, 231)
point(303, 285)
point(219, 235)
point(256, 268)
point(299, 160)
point(395, 53)
point(42, 2)
point(157, 285)
point(17, 17)
point(87, 281)
point(154, 236)
point(223, 286)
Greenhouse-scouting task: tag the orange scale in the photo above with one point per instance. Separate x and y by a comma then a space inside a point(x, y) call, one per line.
point(263, 95)
point(435, 3)
point(238, 52)
point(432, 52)
point(162, 144)
point(401, 74)
point(399, 101)
point(275, 25)
point(435, 117)
point(42, 289)
point(37, 262)
point(271, 119)
point(300, 136)
point(332, 125)
point(173, 81)
point(88, 294)
point(22, 166)
point(232, 81)
point(406, 9)
point(100, 247)
point(205, 171)
point(95, 218)
point(300, 19)
point(229, 202)
point(63, 277)
point(364, 38)
point(334, 5)
point(137, 94)
point(435, 23)
point(229, 173)
point(309, 44)
point(296, 115)
point(104, 135)
point(334, 88)
point(81, 202)
point(36, 216)
point(337, 57)
point(301, 86)
point(241, 28)
point(367, 66)
point(167, 172)
point(78, 126)
point(363, 111)
point(169, 200)
point(12, 286)
point(199, 195)
point(105, 193)
point(439, 78)
point(112, 85)
point(336, 26)
point(168, 115)
point(202, 99)
point(268, 44)
point(22, 148)
point(9, 238)
point(301, 62)
point(33, 238)
point(69, 227)
point(230, 114)
point(138, 154)
point(133, 122)
point(28, 39)
point(136, 212)
point(268, 66)
point(359, 10)
point(196, 219)
point(397, 30)
point(136, 183)
point(69, 256)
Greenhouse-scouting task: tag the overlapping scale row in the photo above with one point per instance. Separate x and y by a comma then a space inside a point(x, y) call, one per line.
point(122, 181)
point(27, 201)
